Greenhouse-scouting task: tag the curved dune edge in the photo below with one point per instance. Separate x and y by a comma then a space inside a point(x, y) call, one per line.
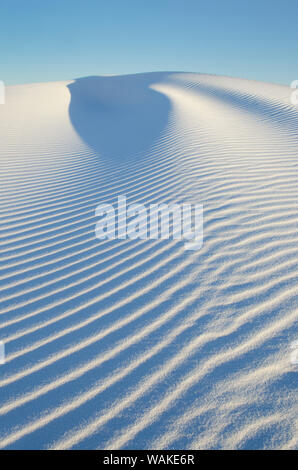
point(141, 344)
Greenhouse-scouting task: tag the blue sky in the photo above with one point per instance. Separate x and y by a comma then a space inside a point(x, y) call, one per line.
point(45, 40)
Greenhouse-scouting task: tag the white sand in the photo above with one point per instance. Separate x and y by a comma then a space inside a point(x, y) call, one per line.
point(141, 344)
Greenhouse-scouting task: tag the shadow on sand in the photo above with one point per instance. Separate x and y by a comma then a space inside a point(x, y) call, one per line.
point(118, 116)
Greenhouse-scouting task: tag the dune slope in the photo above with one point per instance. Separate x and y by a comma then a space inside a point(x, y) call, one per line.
point(140, 343)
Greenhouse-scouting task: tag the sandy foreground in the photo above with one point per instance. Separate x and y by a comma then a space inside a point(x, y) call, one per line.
point(140, 343)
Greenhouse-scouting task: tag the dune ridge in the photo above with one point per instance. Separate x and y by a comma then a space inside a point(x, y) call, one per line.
point(139, 343)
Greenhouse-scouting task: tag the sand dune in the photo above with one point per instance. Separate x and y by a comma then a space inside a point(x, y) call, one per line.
point(141, 343)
